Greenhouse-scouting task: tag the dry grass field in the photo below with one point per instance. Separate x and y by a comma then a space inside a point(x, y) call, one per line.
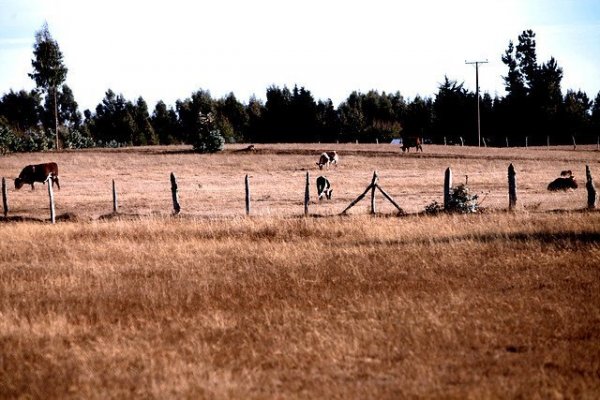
point(212, 304)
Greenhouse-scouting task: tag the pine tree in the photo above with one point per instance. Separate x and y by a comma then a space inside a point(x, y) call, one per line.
point(49, 72)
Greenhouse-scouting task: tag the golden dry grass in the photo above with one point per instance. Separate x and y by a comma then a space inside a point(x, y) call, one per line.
point(498, 305)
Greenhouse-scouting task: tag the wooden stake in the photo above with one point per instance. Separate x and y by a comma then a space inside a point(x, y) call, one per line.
point(114, 193)
point(512, 187)
point(387, 196)
point(4, 197)
point(359, 198)
point(447, 187)
point(176, 206)
point(591, 189)
point(306, 194)
point(247, 184)
point(372, 186)
point(51, 196)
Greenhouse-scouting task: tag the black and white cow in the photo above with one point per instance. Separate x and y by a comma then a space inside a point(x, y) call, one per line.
point(327, 158)
point(324, 188)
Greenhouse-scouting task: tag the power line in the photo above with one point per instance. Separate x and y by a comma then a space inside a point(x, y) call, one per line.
point(477, 94)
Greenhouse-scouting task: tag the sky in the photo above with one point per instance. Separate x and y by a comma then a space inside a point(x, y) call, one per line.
point(167, 50)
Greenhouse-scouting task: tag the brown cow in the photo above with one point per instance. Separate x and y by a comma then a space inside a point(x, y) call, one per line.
point(327, 158)
point(38, 173)
point(409, 142)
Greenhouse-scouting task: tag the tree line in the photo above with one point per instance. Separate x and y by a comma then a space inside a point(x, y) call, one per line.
point(534, 108)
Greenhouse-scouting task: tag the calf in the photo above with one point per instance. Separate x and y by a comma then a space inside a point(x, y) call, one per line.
point(409, 142)
point(38, 173)
point(324, 188)
point(327, 158)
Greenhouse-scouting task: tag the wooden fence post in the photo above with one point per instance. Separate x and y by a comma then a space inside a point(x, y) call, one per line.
point(547, 141)
point(484, 142)
point(591, 189)
point(526, 141)
point(445, 144)
point(507, 141)
point(4, 197)
point(373, 184)
point(306, 194)
point(51, 196)
point(176, 206)
point(114, 192)
point(447, 186)
point(574, 144)
point(512, 187)
point(247, 184)
point(462, 142)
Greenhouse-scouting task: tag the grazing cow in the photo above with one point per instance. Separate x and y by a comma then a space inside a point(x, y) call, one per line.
point(327, 158)
point(563, 184)
point(38, 173)
point(324, 188)
point(409, 142)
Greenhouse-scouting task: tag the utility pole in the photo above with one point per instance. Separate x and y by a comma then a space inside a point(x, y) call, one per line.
point(477, 94)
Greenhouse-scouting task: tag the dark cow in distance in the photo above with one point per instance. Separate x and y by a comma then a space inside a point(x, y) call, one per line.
point(409, 142)
point(38, 173)
point(563, 184)
point(327, 158)
point(324, 188)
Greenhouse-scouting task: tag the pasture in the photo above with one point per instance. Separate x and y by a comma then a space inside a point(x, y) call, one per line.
point(212, 304)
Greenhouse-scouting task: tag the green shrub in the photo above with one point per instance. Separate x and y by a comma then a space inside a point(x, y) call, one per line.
point(75, 140)
point(461, 201)
point(208, 139)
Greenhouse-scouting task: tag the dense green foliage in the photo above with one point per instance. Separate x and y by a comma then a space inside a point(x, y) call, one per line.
point(207, 138)
point(534, 110)
point(49, 72)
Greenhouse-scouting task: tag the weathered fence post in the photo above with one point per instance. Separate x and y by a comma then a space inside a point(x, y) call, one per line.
point(447, 186)
point(114, 192)
point(176, 206)
point(4, 197)
point(445, 141)
point(247, 184)
point(462, 142)
point(306, 194)
point(512, 187)
point(547, 141)
point(484, 142)
point(574, 144)
point(591, 189)
point(373, 184)
point(376, 141)
point(51, 196)
point(526, 141)
point(507, 141)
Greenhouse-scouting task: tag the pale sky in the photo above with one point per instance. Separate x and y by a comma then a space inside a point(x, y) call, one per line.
point(166, 50)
